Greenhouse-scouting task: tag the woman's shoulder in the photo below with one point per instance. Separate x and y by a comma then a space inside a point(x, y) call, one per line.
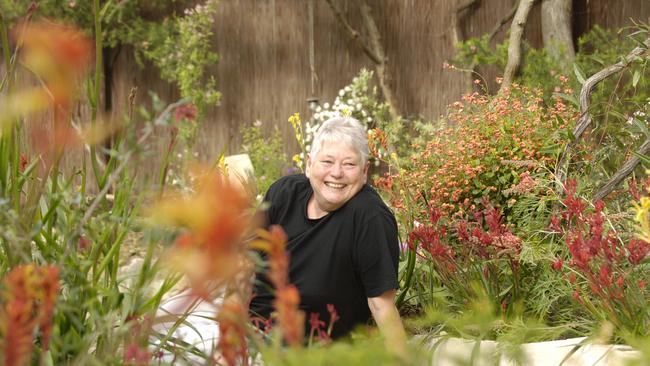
point(288, 186)
point(368, 201)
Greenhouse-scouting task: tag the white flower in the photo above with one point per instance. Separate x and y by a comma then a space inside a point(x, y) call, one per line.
point(341, 93)
point(350, 102)
point(358, 106)
point(369, 119)
point(326, 106)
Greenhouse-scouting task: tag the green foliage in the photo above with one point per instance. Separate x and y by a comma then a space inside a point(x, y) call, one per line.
point(537, 70)
point(361, 349)
point(266, 154)
point(85, 236)
point(179, 45)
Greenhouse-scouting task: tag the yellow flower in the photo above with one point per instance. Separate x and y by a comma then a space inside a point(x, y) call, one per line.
point(642, 209)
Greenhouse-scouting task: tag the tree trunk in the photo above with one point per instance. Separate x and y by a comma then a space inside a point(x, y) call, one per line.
point(514, 45)
point(556, 31)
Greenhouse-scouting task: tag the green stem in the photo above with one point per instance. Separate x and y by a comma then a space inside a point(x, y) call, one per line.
point(164, 169)
point(6, 51)
point(409, 275)
point(96, 89)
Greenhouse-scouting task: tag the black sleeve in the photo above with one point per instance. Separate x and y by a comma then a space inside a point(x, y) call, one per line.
point(270, 200)
point(377, 255)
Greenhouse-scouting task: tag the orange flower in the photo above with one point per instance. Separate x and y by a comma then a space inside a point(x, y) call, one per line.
point(58, 53)
point(215, 220)
point(287, 298)
point(233, 319)
point(29, 298)
point(290, 319)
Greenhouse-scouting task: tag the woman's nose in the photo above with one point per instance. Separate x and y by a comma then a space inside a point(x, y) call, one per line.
point(337, 170)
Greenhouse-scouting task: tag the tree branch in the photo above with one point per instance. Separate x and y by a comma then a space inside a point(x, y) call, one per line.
point(383, 74)
point(356, 36)
point(622, 173)
point(502, 22)
point(514, 47)
point(585, 118)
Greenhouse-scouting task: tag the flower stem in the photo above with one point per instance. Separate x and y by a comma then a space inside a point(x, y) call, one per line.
point(96, 90)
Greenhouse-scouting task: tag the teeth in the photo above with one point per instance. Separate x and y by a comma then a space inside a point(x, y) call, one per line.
point(335, 185)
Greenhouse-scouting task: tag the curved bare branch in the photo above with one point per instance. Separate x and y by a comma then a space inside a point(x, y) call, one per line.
point(585, 117)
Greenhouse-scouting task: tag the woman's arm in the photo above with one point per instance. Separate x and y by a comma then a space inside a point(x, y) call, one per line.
point(390, 325)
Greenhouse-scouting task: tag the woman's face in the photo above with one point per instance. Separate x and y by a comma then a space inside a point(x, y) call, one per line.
point(336, 174)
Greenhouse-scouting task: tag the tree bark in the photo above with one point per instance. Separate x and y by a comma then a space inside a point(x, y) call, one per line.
point(374, 49)
point(514, 46)
point(556, 31)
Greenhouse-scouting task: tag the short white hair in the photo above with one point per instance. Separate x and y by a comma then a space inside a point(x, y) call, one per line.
point(342, 129)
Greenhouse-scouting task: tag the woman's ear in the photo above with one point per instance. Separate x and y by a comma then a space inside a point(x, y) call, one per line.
point(365, 172)
point(307, 165)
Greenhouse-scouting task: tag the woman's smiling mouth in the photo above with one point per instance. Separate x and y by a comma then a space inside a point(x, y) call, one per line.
point(335, 185)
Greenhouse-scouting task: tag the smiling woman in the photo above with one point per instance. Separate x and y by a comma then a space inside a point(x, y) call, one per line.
point(341, 238)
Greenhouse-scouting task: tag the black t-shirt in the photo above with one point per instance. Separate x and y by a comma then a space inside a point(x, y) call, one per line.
point(341, 259)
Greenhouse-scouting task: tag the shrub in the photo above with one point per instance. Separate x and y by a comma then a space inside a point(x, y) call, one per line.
point(266, 153)
point(489, 145)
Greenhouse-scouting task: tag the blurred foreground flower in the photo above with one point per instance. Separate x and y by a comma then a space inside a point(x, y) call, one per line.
point(28, 296)
point(233, 319)
point(215, 220)
point(287, 298)
point(58, 55)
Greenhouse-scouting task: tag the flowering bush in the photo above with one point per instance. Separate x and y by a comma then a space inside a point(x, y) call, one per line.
point(490, 144)
point(607, 271)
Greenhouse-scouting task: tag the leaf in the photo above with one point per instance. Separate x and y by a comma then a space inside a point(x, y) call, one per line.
point(505, 291)
point(642, 127)
point(579, 74)
point(644, 158)
point(635, 78)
